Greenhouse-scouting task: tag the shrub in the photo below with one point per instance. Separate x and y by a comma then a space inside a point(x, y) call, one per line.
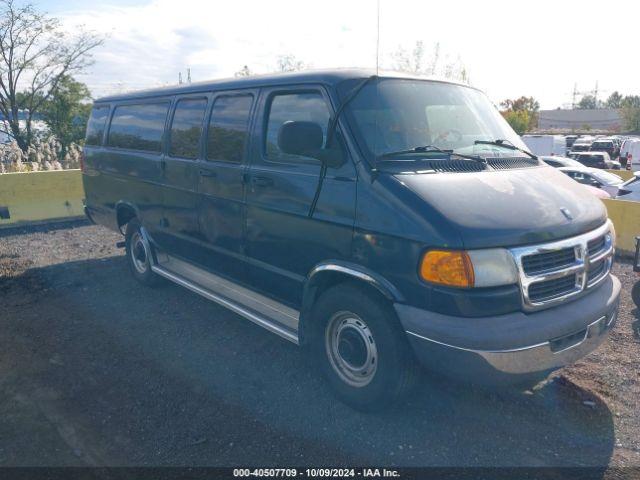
point(41, 155)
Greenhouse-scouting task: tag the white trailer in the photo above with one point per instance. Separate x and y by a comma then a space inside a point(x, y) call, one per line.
point(554, 145)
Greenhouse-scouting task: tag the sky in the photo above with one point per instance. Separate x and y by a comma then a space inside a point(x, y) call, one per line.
point(540, 49)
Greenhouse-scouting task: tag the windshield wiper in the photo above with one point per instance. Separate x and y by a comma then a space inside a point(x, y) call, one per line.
point(429, 149)
point(506, 144)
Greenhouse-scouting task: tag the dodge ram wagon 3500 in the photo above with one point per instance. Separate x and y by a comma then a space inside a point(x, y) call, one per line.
point(380, 221)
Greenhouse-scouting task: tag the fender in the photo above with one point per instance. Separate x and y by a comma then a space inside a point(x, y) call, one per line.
point(354, 270)
point(345, 269)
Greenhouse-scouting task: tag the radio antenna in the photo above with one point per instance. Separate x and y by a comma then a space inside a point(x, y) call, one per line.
point(377, 36)
point(375, 141)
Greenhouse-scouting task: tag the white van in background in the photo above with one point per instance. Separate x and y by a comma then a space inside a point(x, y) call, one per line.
point(631, 151)
point(546, 144)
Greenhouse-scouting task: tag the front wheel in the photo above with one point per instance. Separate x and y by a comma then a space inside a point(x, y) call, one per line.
point(361, 348)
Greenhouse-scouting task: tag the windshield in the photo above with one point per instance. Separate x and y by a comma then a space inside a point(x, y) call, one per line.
point(398, 114)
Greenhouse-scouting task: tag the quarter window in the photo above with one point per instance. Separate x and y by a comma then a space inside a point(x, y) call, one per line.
point(96, 124)
point(138, 127)
point(308, 106)
point(228, 128)
point(186, 128)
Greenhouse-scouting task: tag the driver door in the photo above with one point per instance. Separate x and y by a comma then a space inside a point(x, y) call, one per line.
point(284, 243)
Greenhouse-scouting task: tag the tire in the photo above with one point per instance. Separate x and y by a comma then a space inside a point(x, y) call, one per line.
point(366, 375)
point(635, 293)
point(139, 255)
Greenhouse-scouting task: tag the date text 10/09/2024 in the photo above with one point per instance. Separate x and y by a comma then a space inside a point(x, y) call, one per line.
point(316, 472)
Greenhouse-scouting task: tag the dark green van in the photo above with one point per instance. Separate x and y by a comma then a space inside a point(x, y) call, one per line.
point(380, 221)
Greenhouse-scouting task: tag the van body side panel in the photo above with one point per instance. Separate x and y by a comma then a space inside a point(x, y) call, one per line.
point(221, 186)
point(133, 178)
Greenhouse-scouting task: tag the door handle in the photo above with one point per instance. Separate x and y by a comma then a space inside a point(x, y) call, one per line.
point(261, 181)
point(208, 173)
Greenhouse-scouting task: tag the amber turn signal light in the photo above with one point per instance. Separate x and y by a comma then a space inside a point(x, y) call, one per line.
point(447, 267)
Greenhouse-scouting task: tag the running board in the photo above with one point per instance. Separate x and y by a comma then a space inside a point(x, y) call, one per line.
point(274, 316)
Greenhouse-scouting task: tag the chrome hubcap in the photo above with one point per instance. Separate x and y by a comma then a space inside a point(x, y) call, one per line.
point(351, 349)
point(139, 254)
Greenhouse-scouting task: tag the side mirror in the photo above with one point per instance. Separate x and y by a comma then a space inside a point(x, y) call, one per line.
point(306, 138)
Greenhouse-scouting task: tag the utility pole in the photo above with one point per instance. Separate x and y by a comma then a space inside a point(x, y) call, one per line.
point(595, 94)
point(179, 78)
point(188, 75)
point(575, 93)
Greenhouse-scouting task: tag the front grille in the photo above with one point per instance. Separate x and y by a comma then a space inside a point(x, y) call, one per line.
point(544, 262)
point(555, 271)
point(595, 245)
point(595, 270)
point(550, 289)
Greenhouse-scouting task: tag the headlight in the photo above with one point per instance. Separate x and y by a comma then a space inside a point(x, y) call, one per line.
point(465, 269)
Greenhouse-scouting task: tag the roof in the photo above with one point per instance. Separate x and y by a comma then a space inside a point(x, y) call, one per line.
point(327, 77)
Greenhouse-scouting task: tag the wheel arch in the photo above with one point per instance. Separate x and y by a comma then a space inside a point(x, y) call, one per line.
point(327, 274)
point(125, 212)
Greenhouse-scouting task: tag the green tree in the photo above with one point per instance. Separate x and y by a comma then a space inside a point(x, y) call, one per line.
point(614, 100)
point(36, 53)
point(631, 113)
point(520, 120)
point(66, 112)
point(513, 111)
point(588, 102)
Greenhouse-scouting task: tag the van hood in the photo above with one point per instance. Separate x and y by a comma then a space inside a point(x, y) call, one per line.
point(509, 207)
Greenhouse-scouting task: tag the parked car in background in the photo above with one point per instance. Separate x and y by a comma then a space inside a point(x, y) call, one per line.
point(570, 140)
point(606, 145)
point(630, 190)
point(558, 162)
point(630, 151)
point(597, 160)
point(582, 144)
point(545, 144)
point(593, 177)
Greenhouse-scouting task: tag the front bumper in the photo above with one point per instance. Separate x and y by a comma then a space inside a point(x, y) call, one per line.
point(516, 346)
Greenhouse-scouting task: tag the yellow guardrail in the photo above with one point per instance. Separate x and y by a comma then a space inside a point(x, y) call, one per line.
point(625, 216)
point(38, 196)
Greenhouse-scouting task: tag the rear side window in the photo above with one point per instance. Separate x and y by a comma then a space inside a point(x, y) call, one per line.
point(309, 107)
point(138, 127)
point(228, 128)
point(96, 124)
point(186, 128)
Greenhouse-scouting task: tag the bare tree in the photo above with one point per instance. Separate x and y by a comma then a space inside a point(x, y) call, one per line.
point(289, 63)
point(35, 54)
point(243, 72)
point(415, 62)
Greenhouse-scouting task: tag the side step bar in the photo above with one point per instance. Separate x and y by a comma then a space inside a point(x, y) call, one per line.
point(274, 316)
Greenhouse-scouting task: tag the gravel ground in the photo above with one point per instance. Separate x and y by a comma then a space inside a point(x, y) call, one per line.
point(98, 370)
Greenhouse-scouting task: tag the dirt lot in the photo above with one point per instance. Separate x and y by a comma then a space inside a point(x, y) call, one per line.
point(98, 370)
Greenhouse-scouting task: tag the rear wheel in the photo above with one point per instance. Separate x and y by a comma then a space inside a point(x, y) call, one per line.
point(139, 255)
point(361, 348)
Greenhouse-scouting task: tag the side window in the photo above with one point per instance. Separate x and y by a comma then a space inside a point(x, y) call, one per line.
point(96, 124)
point(138, 127)
point(228, 128)
point(308, 106)
point(186, 128)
